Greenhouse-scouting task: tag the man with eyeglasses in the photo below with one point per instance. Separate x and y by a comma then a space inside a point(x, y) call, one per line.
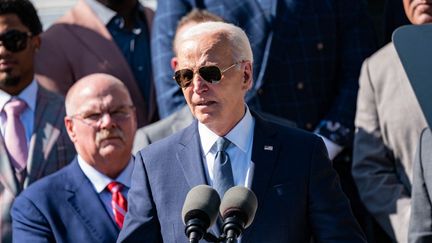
point(33, 138)
point(85, 201)
point(298, 192)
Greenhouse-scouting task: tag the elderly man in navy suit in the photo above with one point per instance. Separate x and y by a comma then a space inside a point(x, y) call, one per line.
point(85, 201)
point(299, 194)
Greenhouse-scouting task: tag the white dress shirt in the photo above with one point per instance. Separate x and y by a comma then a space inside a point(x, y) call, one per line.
point(28, 95)
point(101, 181)
point(239, 151)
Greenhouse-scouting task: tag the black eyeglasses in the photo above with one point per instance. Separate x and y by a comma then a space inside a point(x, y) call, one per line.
point(211, 74)
point(14, 40)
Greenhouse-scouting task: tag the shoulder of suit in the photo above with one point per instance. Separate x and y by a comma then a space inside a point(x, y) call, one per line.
point(49, 185)
point(384, 55)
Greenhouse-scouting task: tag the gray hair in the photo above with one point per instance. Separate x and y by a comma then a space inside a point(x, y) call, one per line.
point(240, 45)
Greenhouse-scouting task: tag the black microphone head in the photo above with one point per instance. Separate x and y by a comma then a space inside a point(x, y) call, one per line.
point(201, 202)
point(239, 201)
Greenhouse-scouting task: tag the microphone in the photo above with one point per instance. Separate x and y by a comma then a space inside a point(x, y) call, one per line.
point(237, 209)
point(200, 211)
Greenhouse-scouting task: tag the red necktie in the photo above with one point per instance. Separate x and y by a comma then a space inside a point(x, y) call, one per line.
point(118, 202)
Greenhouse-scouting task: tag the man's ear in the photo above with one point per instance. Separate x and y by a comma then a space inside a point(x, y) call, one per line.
point(36, 42)
point(174, 63)
point(70, 128)
point(247, 75)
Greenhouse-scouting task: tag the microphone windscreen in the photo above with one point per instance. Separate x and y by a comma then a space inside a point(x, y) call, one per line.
point(241, 201)
point(201, 202)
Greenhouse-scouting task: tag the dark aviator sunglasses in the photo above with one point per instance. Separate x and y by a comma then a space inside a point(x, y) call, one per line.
point(14, 40)
point(211, 74)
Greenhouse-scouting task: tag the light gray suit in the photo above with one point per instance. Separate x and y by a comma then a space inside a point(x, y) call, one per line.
point(163, 128)
point(388, 125)
point(420, 228)
point(49, 150)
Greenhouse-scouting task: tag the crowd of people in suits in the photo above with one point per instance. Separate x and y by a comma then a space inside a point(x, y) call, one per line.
point(115, 112)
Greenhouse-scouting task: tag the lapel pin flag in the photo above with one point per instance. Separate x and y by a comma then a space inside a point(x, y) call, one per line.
point(268, 147)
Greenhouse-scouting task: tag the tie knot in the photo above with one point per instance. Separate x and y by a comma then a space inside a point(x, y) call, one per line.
point(14, 107)
point(115, 187)
point(222, 144)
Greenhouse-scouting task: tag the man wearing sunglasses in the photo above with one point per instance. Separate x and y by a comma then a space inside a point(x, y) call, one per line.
point(33, 139)
point(299, 194)
point(86, 200)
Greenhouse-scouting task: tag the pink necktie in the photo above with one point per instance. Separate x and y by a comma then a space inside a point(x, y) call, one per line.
point(15, 139)
point(118, 202)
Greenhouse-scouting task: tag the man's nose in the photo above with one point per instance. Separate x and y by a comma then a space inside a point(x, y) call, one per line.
point(199, 84)
point(106, 121)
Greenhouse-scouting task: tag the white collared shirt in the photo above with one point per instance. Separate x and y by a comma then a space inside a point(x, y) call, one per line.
point(28, 95)
point(104, 13)
point(101, 181)
point(240, 151)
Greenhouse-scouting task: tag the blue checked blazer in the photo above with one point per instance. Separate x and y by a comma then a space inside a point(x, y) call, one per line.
point(307, 55)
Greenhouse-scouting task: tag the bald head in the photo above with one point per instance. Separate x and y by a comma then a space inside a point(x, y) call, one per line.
point(93, 85)
point(101, 122)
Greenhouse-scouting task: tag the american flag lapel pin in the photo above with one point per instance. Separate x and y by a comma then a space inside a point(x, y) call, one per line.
point(268, 147)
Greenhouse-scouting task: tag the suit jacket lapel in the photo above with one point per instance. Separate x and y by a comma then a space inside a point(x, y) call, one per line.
point(188, 153)
point(7, 173)
point(44, 136)
point(265, 152)
point(93, 215)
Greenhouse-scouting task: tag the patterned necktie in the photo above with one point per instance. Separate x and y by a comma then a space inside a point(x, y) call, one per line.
point(118, 202)
point(15, 138)
point(223, 177)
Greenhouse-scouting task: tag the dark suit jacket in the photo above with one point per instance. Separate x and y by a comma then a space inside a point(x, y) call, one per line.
point(420, 227)
point(63, 207)
point(49, 150)
point(307, 55)
point(298, 192)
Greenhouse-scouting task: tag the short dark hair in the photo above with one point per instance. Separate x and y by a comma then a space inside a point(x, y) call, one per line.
point(198, 16)
point(25, 11)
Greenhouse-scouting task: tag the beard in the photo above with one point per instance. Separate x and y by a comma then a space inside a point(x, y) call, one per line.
point(9, 81)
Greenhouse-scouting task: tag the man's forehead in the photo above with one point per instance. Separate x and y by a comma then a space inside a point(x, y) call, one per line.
point(196, 52)
point(11, 21)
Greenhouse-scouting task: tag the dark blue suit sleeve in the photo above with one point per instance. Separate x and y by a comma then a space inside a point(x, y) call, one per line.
point(28, 223)
point(169, 95)
point(141, 223)
point(329, 208)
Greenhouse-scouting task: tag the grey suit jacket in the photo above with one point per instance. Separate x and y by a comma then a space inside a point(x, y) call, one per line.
point(163, 128)
point(388, 125)
point(420, 228)
point(49, 150)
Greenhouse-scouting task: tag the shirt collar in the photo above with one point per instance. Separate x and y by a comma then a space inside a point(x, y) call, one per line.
point(104, 13)
point(101, 181)
point(241, 135)
point(28, 95)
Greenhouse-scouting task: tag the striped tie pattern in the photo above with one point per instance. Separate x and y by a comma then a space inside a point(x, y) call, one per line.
point(118, 202)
